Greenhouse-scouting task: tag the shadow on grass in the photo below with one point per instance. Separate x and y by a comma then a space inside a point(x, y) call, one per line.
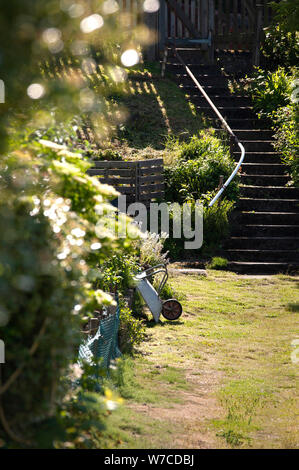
point(157, 108)
point(293, 307)
point(153, 324)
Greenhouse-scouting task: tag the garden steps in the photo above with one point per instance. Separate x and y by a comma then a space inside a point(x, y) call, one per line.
point(265, 224)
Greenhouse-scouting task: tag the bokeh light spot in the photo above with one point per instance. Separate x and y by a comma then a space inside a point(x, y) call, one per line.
point(130, 57)
point(35, 91)
point(151, 6)
point(91, 23)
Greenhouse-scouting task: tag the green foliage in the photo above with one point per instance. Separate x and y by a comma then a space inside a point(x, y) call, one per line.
point(197, 171)
point(215, 227)
point(131, 330)
point(280, 48)
point(270, 90)
point(48, 206)
point(218, 263)
point(216, 223)
point(275, 96)
point(286, 125)
point(194, 176)
point(108, 154)
point(117, 273)
point(287, 14)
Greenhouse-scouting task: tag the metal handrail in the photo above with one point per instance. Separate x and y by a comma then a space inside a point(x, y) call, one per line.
point(223, 121)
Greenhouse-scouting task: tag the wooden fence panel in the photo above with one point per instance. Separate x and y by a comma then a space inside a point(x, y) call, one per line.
point(139, 180)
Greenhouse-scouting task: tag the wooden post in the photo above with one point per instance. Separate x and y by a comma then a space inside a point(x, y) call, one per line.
point(162, 26)
point(151, 21)
point(211, 30)
point(257, 46)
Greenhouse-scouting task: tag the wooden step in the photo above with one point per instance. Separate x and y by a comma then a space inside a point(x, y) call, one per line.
point(265, 230)
point(272, 218)
point(271, 192)
point(254, 134)
point(263, 168)
point(260, 157)
point(220, 100)
point(257, 145)
point(228, 112)
point(263, 268)
point(264, 180)
point(268, 205)
point(263, 255)
point(262, 243)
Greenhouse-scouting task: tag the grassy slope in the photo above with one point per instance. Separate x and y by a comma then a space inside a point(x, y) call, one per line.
point(221, 376)
point(157, 108)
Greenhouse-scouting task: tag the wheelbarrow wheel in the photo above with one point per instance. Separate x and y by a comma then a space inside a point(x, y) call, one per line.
point(171, 309)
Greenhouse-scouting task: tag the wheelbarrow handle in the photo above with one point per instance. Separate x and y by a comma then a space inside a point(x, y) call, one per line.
point(160, 268)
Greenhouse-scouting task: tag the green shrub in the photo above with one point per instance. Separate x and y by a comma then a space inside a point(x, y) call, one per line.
point(215, 228)
point(48, 206)
point(202, 161)
point(116, 273)
point(275, 96)
point(286, 125)
point(280, 48)
point(216, 224)
point(218, 263)
point(131, 330)
point(270, 90)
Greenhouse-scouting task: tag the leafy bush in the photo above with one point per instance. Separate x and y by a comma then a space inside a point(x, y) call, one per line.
point(117, 272)
point(286, 125)
point(49, 207)
point(280, 48)
point(275, 95)
point(215, 227)
point(287, 14)
point(216, 223)
point(197, 171)
point(131, 330)
point(218, 263)
point(270, 90)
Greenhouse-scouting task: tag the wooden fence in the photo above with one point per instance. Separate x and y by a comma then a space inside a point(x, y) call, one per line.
point(231, 24)
point(140, 181)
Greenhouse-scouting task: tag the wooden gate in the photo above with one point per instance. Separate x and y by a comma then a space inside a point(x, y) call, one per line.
point(209, 24)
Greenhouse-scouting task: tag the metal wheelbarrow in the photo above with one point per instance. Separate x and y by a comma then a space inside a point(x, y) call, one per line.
point(171, 309)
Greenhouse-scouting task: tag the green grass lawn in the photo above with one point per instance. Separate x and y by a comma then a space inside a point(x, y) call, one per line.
point(222, 375)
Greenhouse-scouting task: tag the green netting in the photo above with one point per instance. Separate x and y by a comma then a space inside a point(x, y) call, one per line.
point(104, 345)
